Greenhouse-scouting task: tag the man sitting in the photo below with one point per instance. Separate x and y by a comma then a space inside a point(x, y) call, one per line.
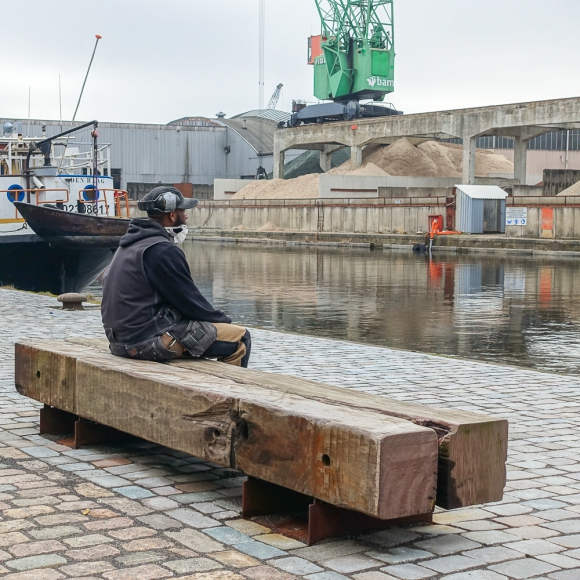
point(152, 310)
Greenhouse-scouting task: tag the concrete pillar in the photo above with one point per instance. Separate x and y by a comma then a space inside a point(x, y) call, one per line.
point(468, 160)
point(279, 164)
point(520, 160)
point(326, 160)
point(356, 156)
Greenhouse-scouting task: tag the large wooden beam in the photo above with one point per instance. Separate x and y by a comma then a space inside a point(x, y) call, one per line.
point(472, 446)
point(348, 456)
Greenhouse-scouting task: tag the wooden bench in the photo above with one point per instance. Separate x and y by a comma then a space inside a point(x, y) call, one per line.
point(367, 461)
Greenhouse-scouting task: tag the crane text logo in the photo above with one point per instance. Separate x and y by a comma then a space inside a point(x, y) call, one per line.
point(379, 82)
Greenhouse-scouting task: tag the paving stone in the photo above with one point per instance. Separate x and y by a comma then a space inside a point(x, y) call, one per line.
point(160, 522)
point(491, 537)
point(247, 527)
point(146, 544)
point(160, 503)
point(561, 560)
point(566, 575)
point(192, 565)
point(390, 538)
point(109, 524)
point(493, 555)
point(227, 535)
point(35, 548)
point(374, 575)
point(477, 575)
point(32, 562)
point(191, 518)
point(139, 558)
point(409, 571)
point(42, 574)
point(449, 564)
point(259, 550)
point(133, 533)
point(92, 553)
point(351, 563)
point(12, 538)
point(526, 568)
point(279, 541)
point(295, 565)
point(326, 576)
point(534, 547)
point(133, 491)
point(444, 545)
point(148, 572)
point(234, 559)
point(330, 550)
point(86, 569)
point(196, 541)
point(265, 573)
point(399, 555)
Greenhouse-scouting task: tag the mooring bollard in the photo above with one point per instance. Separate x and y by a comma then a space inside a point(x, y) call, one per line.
point(72, 301)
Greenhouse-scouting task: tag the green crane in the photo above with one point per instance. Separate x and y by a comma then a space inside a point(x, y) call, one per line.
point(354, 56)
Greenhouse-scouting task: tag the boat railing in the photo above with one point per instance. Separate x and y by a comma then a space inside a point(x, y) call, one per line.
point(121, 194)
point(16, 193)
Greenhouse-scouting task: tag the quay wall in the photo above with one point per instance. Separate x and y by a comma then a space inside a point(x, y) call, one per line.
point(556, 218)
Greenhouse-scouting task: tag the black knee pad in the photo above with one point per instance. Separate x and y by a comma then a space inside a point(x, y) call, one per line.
point(247, 340)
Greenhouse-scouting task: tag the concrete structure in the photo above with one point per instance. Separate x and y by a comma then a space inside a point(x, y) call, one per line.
point(521, 122)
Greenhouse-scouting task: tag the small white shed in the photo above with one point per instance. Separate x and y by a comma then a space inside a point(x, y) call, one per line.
point(480, 209)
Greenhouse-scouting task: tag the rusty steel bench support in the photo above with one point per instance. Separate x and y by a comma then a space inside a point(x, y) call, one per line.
point(260, 498)
point(53, 421)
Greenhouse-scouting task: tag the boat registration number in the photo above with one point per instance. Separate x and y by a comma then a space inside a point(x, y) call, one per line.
point(89, 209)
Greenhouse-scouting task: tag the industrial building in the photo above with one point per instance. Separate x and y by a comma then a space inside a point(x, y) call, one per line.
point(198, 150)
point(191, 150)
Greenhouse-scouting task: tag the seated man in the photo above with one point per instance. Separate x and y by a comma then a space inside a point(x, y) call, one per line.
point(152, 309)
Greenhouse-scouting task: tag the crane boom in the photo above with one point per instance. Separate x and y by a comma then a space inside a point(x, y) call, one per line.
point(275, 97)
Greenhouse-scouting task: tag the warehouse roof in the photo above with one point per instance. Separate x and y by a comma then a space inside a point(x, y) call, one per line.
point(271, 114)
point(258, 132)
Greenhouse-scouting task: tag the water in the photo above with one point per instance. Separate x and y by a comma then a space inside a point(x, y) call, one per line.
point(516, 310)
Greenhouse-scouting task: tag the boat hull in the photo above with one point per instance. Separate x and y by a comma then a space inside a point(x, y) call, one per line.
point(32, 264)
point(73, 230)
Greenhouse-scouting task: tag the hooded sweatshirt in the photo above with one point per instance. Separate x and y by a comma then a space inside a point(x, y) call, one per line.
point(168, 274)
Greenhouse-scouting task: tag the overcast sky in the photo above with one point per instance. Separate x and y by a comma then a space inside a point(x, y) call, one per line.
point(164, 59)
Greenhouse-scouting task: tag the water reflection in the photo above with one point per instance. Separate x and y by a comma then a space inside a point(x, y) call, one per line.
point(514, 310)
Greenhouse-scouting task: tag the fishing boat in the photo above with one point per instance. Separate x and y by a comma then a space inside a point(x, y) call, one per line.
point(61, 219)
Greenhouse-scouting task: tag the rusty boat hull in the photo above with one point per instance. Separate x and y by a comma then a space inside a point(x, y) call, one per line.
point(64, 252)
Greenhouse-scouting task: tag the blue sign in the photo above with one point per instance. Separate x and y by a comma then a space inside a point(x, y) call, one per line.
point(15, 193)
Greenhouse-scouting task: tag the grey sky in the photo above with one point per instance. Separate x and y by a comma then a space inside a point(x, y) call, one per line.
point(164, 59)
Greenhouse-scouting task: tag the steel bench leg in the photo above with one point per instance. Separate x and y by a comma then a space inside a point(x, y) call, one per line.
point(260, 498)
point(53, 421)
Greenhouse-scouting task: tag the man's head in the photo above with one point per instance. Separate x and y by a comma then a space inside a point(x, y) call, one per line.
point(167, 206)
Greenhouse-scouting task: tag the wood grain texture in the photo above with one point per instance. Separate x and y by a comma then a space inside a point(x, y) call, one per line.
point(472, 446)
point(353, 458)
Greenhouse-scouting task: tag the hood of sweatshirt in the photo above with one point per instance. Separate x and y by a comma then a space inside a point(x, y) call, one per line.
point(141, 228)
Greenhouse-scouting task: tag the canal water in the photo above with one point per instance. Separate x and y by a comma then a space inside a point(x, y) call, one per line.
point(520, 310)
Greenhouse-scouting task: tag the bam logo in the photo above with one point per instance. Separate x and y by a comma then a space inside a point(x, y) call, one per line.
point(379, 82)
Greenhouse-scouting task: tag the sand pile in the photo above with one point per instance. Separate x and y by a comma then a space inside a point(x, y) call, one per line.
point(571, 191)
point(402, 158)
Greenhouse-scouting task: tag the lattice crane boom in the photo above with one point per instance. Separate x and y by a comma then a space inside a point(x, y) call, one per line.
point(275, 97)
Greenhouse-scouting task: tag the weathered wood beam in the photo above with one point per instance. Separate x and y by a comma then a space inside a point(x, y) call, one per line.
point(347, 456)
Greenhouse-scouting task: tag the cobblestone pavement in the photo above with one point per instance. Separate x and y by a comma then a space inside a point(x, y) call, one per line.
point(144, 512)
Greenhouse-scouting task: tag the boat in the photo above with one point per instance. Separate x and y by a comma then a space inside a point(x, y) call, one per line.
point(61, 218)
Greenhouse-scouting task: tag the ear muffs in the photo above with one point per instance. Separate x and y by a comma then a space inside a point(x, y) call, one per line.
point(164, 203)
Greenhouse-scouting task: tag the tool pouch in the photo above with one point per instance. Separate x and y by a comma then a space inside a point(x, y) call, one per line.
point(197, 337)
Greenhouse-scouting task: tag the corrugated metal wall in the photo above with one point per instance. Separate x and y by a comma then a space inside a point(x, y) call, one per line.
point(160, 153)
point(469, 214)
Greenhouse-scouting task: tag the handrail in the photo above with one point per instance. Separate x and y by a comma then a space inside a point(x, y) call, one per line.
point(36, 191)
point(120, 194)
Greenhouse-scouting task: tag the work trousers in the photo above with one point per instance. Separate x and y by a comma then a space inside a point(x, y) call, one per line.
point(232, 345)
